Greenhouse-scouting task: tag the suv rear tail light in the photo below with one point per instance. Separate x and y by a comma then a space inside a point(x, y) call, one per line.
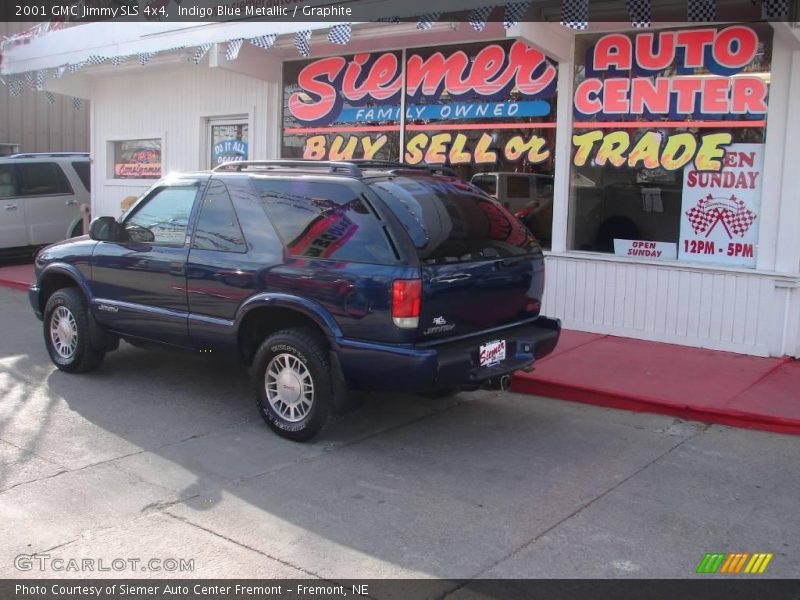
point(406, 296)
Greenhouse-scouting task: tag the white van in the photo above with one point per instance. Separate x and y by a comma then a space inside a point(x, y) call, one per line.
point(40, 198)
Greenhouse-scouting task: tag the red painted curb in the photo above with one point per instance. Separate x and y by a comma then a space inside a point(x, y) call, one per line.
point(614, 399)
point(15, 285)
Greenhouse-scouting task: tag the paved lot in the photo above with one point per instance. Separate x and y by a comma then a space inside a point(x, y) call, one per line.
point(161, 456)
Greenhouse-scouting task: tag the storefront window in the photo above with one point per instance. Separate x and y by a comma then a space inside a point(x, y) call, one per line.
point(668, 143)
point(485, 110)
point(137, 159)
point(229, 142)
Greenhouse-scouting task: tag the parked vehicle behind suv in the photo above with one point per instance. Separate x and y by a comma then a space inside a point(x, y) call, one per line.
point(40, 198)
point(325, 277)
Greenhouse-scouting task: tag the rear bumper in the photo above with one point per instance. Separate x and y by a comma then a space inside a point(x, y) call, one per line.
point(33, 298)
point(422, 368)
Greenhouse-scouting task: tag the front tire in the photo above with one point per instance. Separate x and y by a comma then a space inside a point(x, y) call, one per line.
point(67, 335)
point(292, 383)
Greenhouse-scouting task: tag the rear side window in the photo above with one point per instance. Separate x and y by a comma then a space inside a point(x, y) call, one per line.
point(449, 222)
point(41, 179)
point(518, 186)
point(324, 220)
point(488, 183)
point(218, 228)
point(8, 182)
point(82, 169)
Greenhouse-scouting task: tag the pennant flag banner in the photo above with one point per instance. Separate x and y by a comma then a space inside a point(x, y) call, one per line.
point(232, 53)
point(340, 34)
point(29, 81)
point(50, 97)
point(514, 12)
point(639, 12)
point(702, 10)
point(75, 67)
point(426, 21)
point(575, 14)
point(117, 61)
point(77, 103)
point(301, 42)
point(144, 57)
point(264, 41)
point(477, 18)
point(200, 53)
point(775, 9)
point(388, 20)
point(41, 75)
point(58, 73)
point(14, 86)
point(95, 60)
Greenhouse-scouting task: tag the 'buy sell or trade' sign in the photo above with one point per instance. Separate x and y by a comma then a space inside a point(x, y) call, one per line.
point(662, 79)
point(719, 213)
point(337, 101)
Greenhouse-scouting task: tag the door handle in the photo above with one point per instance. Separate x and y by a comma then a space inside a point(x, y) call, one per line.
point(11, 207)
point(73, 201)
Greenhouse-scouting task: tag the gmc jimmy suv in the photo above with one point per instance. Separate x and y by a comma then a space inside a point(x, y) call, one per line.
point(325, 277)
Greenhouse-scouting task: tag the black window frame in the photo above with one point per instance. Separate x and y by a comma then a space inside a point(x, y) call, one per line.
point(87, 181)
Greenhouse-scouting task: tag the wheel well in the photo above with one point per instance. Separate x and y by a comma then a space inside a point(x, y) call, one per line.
point(260, 323)
point(52, 283)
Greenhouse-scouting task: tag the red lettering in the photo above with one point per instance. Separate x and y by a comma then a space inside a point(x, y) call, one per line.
point(749, 95)
point(655, 60)
point(525, 62)
point(686, 89)
point(651, 94)
point(714, 99)
point(746, 46)
point(615, 96)
point(614, 49)
point(324, 91)
point(586, 100)
point(694, 41)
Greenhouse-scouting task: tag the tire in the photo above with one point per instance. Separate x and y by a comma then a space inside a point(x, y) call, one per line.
point(283, 367)
point(67, 333)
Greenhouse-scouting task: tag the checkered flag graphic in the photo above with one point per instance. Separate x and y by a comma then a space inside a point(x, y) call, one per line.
point(775, 9)
point(340, 34)
point(265, 42)
point(41, 76)
point(75, 67)
point(575, 14)
point(14, 86)
point(477, 18)
point(95, 60)
point(117, 61)
point(232, 52)
point(639, 12)
point(144, 57)
point(201, 51)
point(702, 10)
point(700, 219)
point(29, 80)
point(77, 103)
point(388, 20)
point(302, 41)
point(50, 97)
point(708, 212)
point(427, 20)
point(58, 72)
point(740, 221)
point(514, 12)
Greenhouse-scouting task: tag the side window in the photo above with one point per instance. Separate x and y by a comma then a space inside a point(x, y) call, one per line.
point(8, 182)
point(518, 186)
point(218, 228)
point(82, 169)
point(324, 220)
point(164, 217)
point(41, 179)
point(488, 183)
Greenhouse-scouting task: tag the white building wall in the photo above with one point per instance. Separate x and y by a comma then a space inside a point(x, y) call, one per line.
point(172, 103)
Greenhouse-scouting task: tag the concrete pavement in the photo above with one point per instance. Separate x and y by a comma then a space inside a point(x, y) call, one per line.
point(163, 456)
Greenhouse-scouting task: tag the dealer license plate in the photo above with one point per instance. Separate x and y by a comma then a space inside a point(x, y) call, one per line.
point(492, 353)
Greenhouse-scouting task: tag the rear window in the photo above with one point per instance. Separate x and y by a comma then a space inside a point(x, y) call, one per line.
point(448, 221)
point(488, 183)
point(518, 186)
point(324, 220)
point(41, 179)
point(82, 169)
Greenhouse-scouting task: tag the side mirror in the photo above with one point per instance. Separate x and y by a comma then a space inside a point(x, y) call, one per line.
point(105, 229)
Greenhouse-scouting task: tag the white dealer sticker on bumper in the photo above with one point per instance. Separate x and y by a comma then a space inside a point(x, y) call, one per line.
point(492, 353)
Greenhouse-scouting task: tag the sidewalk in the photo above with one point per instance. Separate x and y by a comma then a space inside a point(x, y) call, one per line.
point(691, 383)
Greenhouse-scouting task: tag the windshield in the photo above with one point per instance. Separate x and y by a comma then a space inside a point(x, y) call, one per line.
point(449, 220)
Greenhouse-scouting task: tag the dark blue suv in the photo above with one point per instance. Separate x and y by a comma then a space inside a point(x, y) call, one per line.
point(326, 277)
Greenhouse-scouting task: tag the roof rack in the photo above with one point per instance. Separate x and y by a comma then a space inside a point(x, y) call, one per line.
point(333, 167)
point(47, 154)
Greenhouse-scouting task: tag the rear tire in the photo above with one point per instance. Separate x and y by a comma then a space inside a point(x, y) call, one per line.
point(67, 333)
point(292, 383)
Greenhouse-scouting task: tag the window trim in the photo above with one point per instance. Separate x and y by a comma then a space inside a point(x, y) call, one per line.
point(154, 191)
point(108, 172)
point(200, 208)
